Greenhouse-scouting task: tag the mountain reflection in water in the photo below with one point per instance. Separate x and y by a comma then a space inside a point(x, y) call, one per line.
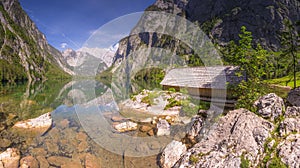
point(67, 142)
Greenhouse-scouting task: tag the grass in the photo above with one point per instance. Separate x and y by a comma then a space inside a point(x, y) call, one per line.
point(286, 81)
point(194, 159)
point(278, 90)
point(149, 99)
point(172, 103)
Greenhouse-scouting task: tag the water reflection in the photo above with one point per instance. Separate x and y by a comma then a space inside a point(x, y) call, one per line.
point(29, 100)
point(67, 142)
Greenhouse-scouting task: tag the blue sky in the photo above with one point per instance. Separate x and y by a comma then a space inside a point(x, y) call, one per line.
point(70, 23)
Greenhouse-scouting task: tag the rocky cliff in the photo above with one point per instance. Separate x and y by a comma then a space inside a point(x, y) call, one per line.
point(221, 21)
point(25, 53)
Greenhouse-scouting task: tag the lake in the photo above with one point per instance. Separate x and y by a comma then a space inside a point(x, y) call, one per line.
point(81, 133)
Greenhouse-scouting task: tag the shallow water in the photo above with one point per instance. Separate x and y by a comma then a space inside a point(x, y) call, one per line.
point(82, 132)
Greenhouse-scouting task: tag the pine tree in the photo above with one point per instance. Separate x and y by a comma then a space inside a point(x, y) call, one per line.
point(290, 40)
point(250, 59)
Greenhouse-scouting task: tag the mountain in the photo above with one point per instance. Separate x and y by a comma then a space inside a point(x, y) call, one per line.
point(105, 54)
point(25, 53)
point(85, 60)
point(220, 20)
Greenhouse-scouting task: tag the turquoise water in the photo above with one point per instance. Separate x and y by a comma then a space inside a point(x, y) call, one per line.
point(71, 140)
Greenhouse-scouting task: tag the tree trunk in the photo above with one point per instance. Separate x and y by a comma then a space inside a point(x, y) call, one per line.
point(294, 57)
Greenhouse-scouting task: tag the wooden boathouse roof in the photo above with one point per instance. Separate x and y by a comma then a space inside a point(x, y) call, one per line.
point(203, 77)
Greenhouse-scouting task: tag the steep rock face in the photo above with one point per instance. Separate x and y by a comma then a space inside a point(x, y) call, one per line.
point(24, 52)
point(171, 6)
point(223, 19)
point(220, 20)
point(153, 39)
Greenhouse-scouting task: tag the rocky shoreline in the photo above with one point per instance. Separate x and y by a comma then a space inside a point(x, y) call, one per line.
point(241, 138)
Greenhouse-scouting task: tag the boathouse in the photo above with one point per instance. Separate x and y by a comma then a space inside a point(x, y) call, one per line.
point(204, 82)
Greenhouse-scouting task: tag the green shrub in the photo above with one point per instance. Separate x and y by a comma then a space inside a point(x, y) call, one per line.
point(244, 162)
point(275, 162)
point(172, 103)
point(132, 97)
point(172, 89)
point(146, 100)
point(149, 99)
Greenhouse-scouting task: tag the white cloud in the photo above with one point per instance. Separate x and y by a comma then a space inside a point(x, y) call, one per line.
point(63, 45)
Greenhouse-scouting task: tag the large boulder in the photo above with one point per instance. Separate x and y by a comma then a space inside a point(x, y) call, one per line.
point(240, 132)
point(291, 122)
point(289, 150)
point(171, 154)
point(270, 106)
point(10, 158)
point(293, 111)
point(294, 97)
point(289, 125)
point(38, 125)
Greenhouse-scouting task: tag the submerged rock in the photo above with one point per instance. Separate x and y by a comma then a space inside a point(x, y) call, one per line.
point(10, 158)
point(92, 161)
point(126, 126)
point(117, 118)
point(42, 162)
point(150, 133)
point(29, 162)
point(270, 106)
point(294, 97)
point(239, 132)
point(58, 160)
point(40, 124)
point(4, 143)
point(171, 154)
point(64, 123)
point(145, 128)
